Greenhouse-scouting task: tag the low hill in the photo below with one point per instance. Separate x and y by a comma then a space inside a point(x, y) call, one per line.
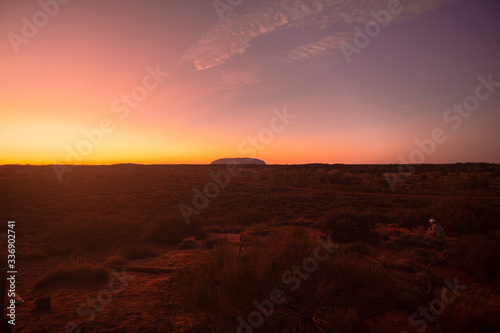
point(239, 160)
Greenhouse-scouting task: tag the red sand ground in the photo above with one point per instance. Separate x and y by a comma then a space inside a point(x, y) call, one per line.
point(146, 304)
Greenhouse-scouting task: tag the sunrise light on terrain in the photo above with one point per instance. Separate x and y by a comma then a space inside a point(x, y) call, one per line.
point(249, 166)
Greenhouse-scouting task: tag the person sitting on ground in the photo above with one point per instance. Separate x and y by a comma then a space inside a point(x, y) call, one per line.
point(436, 229)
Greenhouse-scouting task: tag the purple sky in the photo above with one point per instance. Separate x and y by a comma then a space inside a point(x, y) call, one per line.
point(226, 76)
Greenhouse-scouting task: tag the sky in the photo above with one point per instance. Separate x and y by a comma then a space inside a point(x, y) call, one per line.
point(285, 81)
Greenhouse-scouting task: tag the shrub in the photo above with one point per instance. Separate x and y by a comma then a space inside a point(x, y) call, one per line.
point(394, 246)
point(418, 240)
point(424, 256)
point(396, 233)
point(200, 234)
point(73, 273)
point(474, 310)
point(215, 230)
point(347, 225)
point(461, 217)
point(344, 320)
point(170, 229)
point(233, 278)
point(91, 233)
point(406, 265)
point(213, 243)
point(357, 248)
point(26, 251)
point(478, 254)
point(255, 231)
point(359, 282)
point(458, 216)
point(136, 252)
point(80, 257)
point(249, 217)
point(187, 245)
point(116, 260)
point(410, 219)
point(478, 181)
point(227, 284)
point(199, 287)
point(340, 177)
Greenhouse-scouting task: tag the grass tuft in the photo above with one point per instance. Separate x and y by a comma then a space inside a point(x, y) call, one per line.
point(73, 274)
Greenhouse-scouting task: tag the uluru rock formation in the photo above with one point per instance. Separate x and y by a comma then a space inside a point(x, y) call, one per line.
point(239, 160)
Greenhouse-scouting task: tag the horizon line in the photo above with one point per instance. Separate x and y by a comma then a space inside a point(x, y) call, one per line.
point(284, 164)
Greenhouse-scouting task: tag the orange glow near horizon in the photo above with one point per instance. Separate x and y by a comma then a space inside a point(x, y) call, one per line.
point(175, 92)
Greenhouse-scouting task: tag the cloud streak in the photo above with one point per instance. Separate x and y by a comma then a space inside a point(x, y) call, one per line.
point(325, 46)
point(233, 81)
point(235, 34)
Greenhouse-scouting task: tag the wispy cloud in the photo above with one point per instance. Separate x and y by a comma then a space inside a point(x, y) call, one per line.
point(233, 81)
point(324, 46)
point(235, 34)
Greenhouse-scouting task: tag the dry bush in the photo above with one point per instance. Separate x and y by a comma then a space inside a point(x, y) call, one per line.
point(115, 259)
point(461, 217)
point(225, 271)
point(200, 234)
point(80, 257)
point(478, 254)
point(74, 273)
point(28, 251)
point(357, 281)
point(326, 319)
point(384, 232)
point(211, 244)
point(136, 252)
point(347, 225)
point(298, 223)
point(406, 265)
point(480, 181)
point(171, 229)
point(90, 233)
point(187, 244)
point(249, 217)
point(357, 248)
point(344, 320)
point(200, 287)
point(409, 218)
point(215, 230)
point(474, 310)
point(256, 231)
point(424, 256)
point(227, 284)
point(416, 240)
point(340, 177)
point(458, 216)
